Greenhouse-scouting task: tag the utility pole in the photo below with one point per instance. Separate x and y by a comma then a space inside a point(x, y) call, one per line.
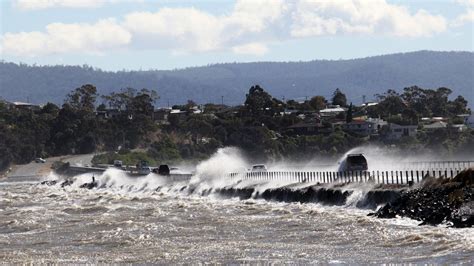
point(222, 100)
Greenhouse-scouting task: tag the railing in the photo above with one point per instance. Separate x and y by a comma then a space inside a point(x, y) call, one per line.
point(379, 177)
point(437, 165)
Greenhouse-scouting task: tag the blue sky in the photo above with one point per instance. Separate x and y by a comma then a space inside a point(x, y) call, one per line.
point(141, 34)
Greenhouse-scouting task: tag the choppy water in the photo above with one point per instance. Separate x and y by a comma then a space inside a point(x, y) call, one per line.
point(131, 222)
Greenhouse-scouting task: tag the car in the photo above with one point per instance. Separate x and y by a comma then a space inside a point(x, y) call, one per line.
point(118, 163)
point(40, 160)
point(354, 162)
point(258, 168)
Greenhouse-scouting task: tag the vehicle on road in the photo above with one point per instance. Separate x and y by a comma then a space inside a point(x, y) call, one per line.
point(258, 168)
point(40, 160)
point(354, 162)
point(142, 168)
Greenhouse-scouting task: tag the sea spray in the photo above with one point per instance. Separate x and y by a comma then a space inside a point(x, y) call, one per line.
point(214, 171)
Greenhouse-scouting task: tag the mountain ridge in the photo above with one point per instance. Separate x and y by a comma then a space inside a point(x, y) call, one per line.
point(289, 80)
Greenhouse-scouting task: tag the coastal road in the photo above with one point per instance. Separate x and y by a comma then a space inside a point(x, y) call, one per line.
point(33, 170)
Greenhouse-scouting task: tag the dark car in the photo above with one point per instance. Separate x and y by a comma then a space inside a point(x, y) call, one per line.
point(354, 162)
point(163, 169)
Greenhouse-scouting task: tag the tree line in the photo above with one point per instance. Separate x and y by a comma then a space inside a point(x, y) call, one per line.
point(124, 121)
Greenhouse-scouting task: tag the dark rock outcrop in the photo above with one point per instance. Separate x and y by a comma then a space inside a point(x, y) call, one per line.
point(49, 182)
point(437, 201)
point(66, 183)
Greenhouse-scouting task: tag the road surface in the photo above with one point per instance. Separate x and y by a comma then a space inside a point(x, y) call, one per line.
point(33, 170)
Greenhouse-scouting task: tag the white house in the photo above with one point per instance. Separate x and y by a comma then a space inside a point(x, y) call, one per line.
point(332, 111)
point(435, 125)
point(396, 131)
point(367, 127)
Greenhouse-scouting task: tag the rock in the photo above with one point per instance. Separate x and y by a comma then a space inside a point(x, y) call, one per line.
point(49, 182)
point(436, 201)
point(464, 216)
point(90, 185)
point(66, 183)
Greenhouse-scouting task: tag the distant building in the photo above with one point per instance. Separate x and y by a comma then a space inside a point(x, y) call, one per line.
point(367, 127)
point(195, 110)
point(368, 104)
point(435, 125)
point(310, 128)
point(396, 131)
point(108, 113)
point(332, 111)
point(458, 127)
point(161, 114)
point(289, 112)
point(23, 106)
point(470, 121)
point(430, 120)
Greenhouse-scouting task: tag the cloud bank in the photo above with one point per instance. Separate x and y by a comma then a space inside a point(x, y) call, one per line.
point(247, 29)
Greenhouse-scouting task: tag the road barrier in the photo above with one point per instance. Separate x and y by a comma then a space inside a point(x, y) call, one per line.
point(379, 177)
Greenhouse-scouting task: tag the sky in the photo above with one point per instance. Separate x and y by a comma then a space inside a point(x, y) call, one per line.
point(165, 34)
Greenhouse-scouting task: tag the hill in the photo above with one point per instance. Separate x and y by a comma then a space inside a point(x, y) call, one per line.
point(291, 80)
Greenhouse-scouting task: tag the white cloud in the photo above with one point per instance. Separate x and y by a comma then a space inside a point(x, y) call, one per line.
point(245, 29)
point(462, 19)
point(65, 38)
point(255, 15)
point(257, 49)
point(315, 18)
point(44, 4)
point(467, 17)
point(177, 28)
point(189, 29)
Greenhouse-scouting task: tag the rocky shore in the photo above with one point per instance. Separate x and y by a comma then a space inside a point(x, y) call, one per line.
point(436, 201)
point(433, 201)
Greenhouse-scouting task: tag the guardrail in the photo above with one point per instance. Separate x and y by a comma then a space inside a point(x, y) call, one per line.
point(379, 177)
point(84, 169)
point(436, 165)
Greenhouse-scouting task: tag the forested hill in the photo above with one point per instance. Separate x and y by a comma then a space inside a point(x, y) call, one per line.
point(292, 80)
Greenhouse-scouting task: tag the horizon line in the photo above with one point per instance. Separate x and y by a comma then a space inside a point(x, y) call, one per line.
point(228, 63)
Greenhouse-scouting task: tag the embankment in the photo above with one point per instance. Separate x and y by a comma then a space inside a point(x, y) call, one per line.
point(432, 201)
point(436, 201)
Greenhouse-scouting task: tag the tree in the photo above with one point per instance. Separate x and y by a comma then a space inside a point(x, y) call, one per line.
point(258, 101)
point(83, 98)
point(349, 114)
point(339, 98)
point(458, 106)
point(390, 103)
point(318, 103)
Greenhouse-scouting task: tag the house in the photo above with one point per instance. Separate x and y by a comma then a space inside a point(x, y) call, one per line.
point(435, 125)
point(458, 127)
point(161, 114)
point(289, 112)
point(332, 111)
point(195, 110)
point(367, 127)
point(23, 106)
point(396, 131)
point(470, 121)
point(430, 120)
point(108, 113)
point(309, 128)
point(368, 104)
